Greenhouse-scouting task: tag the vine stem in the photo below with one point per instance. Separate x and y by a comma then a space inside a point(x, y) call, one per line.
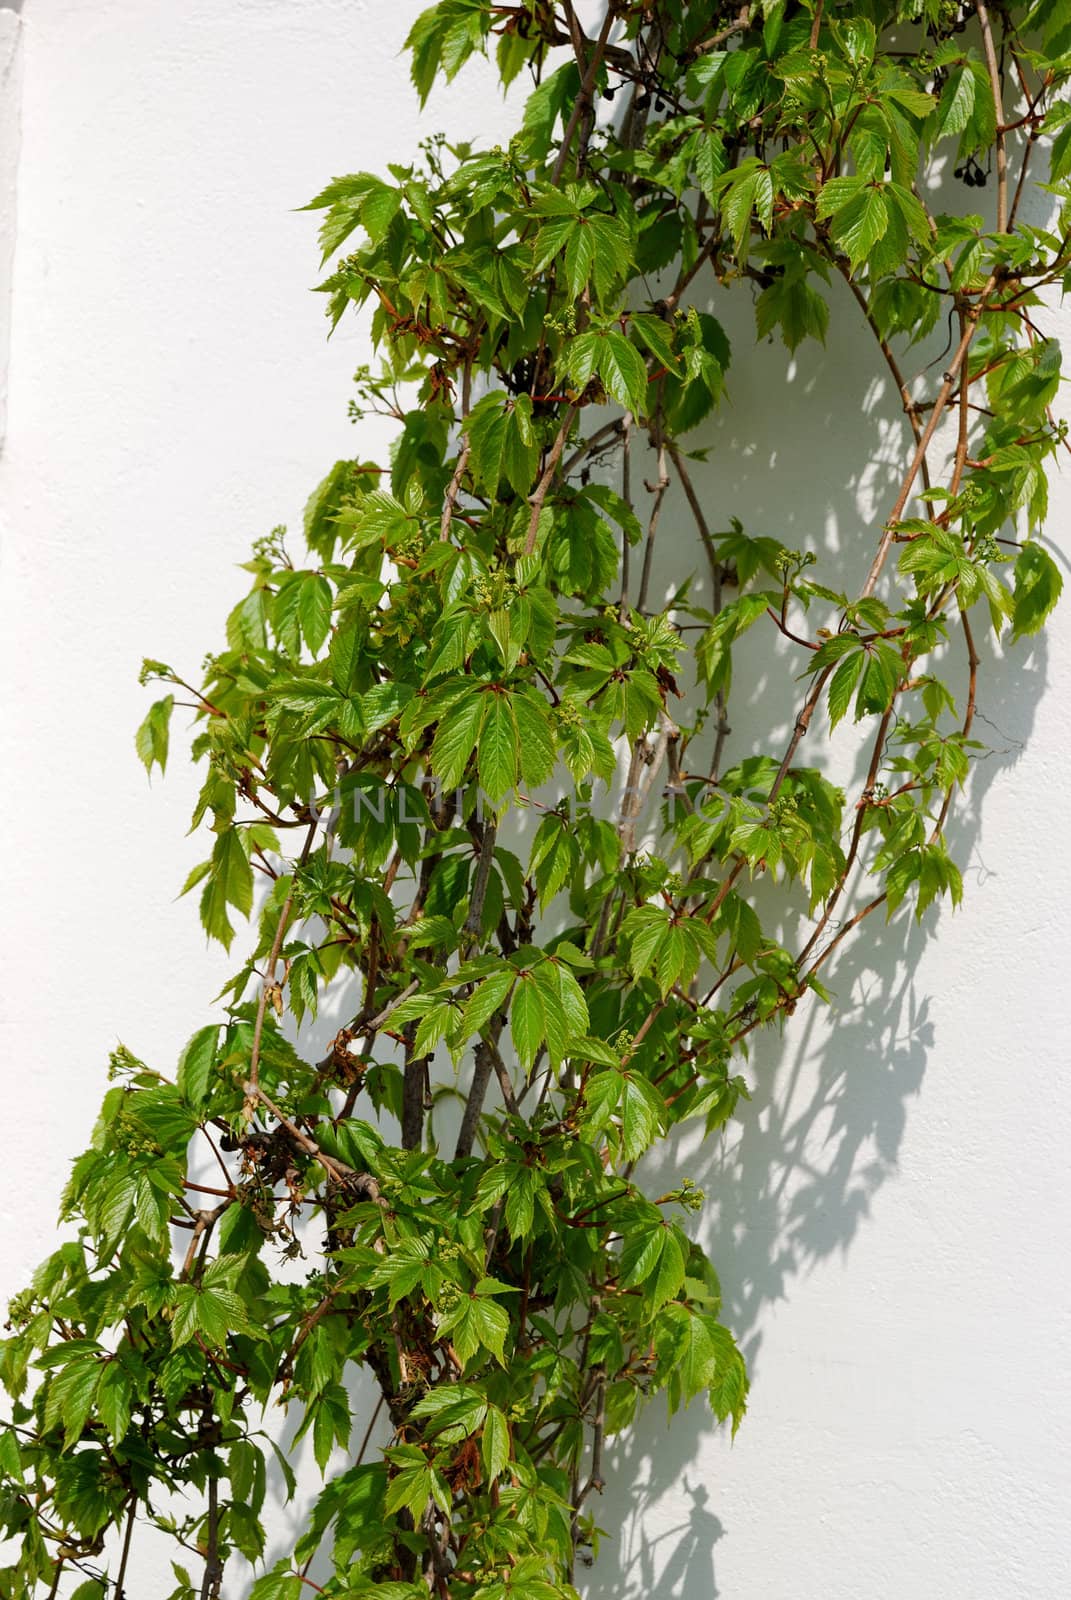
point(120, 1579)
point(857, 834)
point(213, 1573)
point(547, 478)
point(268, 986)
point(993, 68)
point(710, 548)
point(583, 99)
point(940, 405)
point(454, 489)
point(660, 488)
point(816, 25)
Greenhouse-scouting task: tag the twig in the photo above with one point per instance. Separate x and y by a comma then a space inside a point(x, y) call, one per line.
point(213, 1575)
point(816, 25)
point(540, 493)
point(598, 440)
point(124, 1557)
point(939, 407)
point(203, 1222)
point(414, 1092)
point(998, 106)
point(268, 986)
point(483, 878)
point(482, 1066)
point(583, 100)
point(626, 495)
point(454, 490)
point(652, 526)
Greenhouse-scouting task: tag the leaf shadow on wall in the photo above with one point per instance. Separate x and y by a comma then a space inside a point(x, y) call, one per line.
point(792, 1182)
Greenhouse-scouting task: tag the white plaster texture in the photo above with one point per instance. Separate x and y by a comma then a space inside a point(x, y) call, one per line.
point(891, 1214)
point(10, 96)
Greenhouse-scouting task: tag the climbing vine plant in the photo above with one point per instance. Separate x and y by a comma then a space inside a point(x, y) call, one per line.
point(411, 738)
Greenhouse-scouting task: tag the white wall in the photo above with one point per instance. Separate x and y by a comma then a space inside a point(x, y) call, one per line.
point(891, 1215)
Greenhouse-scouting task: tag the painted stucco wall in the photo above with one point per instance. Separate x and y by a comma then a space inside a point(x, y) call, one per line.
point(891, 1215)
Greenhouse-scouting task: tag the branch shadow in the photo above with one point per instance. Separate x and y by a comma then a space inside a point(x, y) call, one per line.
point(793, 1183)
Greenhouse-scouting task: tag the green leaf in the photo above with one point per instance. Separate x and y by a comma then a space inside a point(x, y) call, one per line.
point(657, 336)
point(456, 737)
point(858, 226)
point(1038, 584)
point(641, 1110)
point(791, 303)
point(230, 882)
point(494, 1444)
point(535, 736)
point(622, 370)
point(486, 1000)
point(278, 1585)
point(843, 685)
point(527, 1020)
point(956, 103)
point(323, 506)
point(496, 757)
point(71, 1396)
point(314, 609)
point(196, 1067)
point(152, 737)
point(747, 192)
point(708, 163)
point(579, 257)
point(113, 1400)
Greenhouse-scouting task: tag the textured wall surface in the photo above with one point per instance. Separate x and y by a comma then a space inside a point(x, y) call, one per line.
point(10, 107)
point(891, 1215)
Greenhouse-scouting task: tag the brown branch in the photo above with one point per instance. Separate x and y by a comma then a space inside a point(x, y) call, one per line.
point(540, 494)
point(626, 495)
point(599, 440)
point(505, 1086)
point(482, 1066)
point(414, 1092)
point(940, 405)
point(454, 490)
point(268, 986)
point(716, 40)
point(213, 1574)
point(483, 877)
point(993, 69)
point(582, 103)
point(816, 26)
point(652, 526)
point(203, 1223)
point(124, 1556)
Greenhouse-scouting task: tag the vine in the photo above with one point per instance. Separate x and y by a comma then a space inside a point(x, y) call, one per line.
point(471, 649)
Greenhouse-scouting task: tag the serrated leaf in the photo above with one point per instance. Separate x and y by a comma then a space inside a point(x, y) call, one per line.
point(1038, 585)
point(623, 372)
point(843, 684)
point(196, 1066)
point(496, 756)
point(456, 737)
point(151, 739)
point(230, 882)
point(956, 103)
point(486, 1000)
point(527, 1019)
point(641, 1109)
point(494, 1444)
point(314, 609)
point(858, 226)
